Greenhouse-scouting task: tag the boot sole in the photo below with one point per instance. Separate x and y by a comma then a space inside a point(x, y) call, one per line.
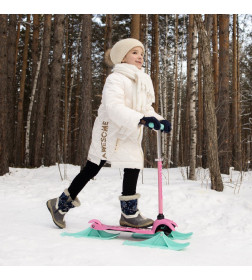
point(51, 212)
point(125, 224)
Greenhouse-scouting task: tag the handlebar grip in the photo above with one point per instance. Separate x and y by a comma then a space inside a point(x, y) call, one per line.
point(151, 125)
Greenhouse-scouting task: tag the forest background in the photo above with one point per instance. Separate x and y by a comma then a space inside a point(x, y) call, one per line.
point(52, 72)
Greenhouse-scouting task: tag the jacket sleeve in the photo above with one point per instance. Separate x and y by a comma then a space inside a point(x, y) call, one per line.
point(114, 102)
point(150, 112)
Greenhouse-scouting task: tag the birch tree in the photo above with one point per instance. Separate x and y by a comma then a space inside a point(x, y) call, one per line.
point(180, 95)
point(192, 91)
point(146, 45)
point(187, 106)
point(174, 99)
point(200, 126)
point(155, 59)
point(165, 90)
point(146, 138)
point(175, 89)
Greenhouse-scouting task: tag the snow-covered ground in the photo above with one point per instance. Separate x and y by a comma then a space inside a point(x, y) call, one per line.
point(221, 221)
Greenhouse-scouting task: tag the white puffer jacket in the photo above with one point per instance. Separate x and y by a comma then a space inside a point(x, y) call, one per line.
point(117, 135)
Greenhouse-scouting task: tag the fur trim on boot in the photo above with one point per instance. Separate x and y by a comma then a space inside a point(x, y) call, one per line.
point(131, 216)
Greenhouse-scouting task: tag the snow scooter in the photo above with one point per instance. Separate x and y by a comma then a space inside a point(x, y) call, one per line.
point(162, 232)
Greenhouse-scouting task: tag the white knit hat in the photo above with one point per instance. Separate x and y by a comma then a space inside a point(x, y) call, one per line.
point(122, 47)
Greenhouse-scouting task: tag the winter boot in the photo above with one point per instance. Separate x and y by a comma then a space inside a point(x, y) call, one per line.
point(59, 206)
point(131, 216)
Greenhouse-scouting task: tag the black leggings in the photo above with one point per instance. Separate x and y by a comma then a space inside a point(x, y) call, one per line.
point(91, 170)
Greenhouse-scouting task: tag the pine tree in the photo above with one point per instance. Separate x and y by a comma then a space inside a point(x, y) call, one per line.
point(209, 107)
point(19, 144)
point(135, 26)
point(223, 100)
point(52, 127)
point(4, 163)
point(86, 89)
point(236, 120)
point(11, 41)
point(42, 88)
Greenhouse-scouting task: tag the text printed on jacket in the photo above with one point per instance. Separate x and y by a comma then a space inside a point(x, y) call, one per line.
point(104, 134)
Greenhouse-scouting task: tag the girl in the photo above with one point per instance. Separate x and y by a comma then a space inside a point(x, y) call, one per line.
point(117, 133)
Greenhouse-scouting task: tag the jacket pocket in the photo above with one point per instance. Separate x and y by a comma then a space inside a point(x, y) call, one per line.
point(116, 145)
point(123, 133)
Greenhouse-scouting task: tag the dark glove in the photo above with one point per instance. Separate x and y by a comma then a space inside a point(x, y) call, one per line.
point(147, 120)
point(167, 126)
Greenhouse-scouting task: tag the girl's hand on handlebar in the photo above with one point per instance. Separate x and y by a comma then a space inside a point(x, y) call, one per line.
point(167, 126)
point(148, 120)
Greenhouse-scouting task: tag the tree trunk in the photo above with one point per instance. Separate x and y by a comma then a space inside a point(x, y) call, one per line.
point(175, 90)
point(178, 140)
point(155, 80)
point(35, 45)
point(17, 41)
point(209, 107)
point(4, 162)
point(66, 108)
point(108, 42)
point(143, 27)
point(236, 133)
point(187, 111)
point(146, 45)
point(28, 124)
point(43, 78)
point(76, 118)
point(146, 138)
point(19, 147)
point(135, 26)
point(215, 58)
point(86, 90)
point(11, 41)
point(35, 59)
point(75, 79)
point(155, 59)
point(239, 121)
point(174, 97)
point(52, 129)
point(200, 112)
point(165, 92)
point(223, 101)
point(192, 94)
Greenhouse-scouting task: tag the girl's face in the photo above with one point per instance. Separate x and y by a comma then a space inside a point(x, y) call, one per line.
point(135, 57)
